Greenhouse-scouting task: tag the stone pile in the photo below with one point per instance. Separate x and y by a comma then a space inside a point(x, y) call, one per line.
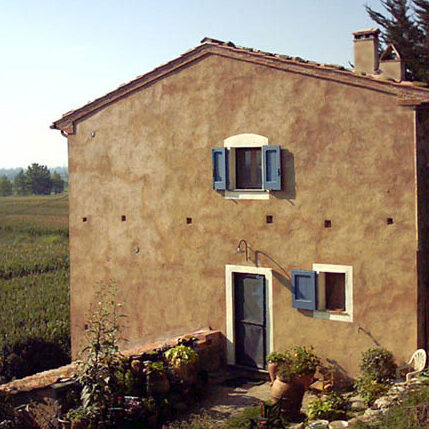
point(382, 405)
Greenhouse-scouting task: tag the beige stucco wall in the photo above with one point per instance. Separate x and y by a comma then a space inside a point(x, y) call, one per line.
point(348, 156)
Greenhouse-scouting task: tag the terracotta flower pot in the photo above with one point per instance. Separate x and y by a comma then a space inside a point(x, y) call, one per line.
point(306, 380)
point(187, 373)
point(272, 371)
point(157, 383)
point(291, 394)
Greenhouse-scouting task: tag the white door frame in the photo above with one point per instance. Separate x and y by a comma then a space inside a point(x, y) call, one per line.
point(230, 308)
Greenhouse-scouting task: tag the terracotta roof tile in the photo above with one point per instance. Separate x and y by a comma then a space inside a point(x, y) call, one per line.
point(217, 47)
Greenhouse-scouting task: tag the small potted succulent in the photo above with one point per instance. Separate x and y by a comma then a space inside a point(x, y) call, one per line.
point(274, 360)
point(304, 364)
point(184, 361)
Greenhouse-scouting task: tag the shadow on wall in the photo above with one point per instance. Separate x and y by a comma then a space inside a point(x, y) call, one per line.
point(283, 278)
point(360, 329)
point(340, 374)
point(288, 191)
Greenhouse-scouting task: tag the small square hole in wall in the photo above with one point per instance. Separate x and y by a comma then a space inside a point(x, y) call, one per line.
point(123, 218)
point(84, 219)
point(188, 220)
point(85, 326)
point(270, 219)
point(389, 220)
point(328, 224)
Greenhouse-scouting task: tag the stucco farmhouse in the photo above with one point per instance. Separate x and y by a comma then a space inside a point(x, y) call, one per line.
point(281, 201)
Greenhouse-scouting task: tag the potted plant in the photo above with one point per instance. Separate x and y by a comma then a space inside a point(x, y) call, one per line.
point(274, 359)
point(76, 418)
point(184, 361)
point(304, 364)
point(288, 389)
point(156, 378)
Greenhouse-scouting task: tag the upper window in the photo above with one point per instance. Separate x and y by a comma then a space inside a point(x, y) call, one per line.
point(246, 167)
point(327, 290)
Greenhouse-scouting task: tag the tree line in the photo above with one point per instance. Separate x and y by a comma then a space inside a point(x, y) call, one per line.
point(37, 180)
point(406, 25)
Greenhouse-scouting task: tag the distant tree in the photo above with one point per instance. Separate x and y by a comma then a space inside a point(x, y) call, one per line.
point(20, 184)
point(39, 178)
point(406, 25)
point(57, 183)
point(5, 187)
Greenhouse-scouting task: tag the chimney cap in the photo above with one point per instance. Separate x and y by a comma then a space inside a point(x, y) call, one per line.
point(366, 32)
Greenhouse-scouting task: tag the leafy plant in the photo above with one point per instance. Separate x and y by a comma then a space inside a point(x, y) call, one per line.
point(285, 372)
point(369, 389)
point(377, 368)
point(155, 368)
point(378, 364)
point(79, 415)
point(332, 407)
point(303, 360)
point(181, 356)
point(102, 361)
point(276, 357)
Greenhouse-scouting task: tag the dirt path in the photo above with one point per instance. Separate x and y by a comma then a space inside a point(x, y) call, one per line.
point(228, 396)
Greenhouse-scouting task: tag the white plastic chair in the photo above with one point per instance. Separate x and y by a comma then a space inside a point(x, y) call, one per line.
point(417, 362)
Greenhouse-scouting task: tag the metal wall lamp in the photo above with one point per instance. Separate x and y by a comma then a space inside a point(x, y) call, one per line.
point(240, 250)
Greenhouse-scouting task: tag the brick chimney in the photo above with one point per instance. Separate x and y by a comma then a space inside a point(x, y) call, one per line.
point(366, 50)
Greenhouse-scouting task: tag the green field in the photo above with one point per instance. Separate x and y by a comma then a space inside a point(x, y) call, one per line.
point(34, 284)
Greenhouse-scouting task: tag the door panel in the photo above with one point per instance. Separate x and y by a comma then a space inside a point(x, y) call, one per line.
point(250, 323)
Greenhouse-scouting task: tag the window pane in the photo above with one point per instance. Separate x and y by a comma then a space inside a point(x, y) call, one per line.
point(335, 291)
point(248, 168)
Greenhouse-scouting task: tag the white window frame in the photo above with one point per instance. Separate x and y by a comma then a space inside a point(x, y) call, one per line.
point(243, 141)
point(347, 270)
point(230, 312)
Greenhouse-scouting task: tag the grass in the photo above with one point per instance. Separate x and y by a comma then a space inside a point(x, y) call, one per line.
point(205, 421)
point(34, 284)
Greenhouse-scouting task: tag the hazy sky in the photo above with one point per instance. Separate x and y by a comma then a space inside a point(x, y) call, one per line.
point(57, 55)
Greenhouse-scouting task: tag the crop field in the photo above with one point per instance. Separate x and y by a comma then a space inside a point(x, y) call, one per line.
point(34, 284)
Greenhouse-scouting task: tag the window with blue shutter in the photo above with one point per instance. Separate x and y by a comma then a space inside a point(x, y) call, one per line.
point(271, 172)
point(304, 289)
point(220, 168)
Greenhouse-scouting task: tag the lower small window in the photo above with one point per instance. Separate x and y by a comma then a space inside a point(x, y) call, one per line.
point(327, 290)
point(335, 291)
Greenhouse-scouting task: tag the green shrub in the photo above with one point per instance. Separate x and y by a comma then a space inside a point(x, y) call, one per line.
point(377, 368)
point(370, 389)
point(304, 360)
point(331, 407)
point(378, 364)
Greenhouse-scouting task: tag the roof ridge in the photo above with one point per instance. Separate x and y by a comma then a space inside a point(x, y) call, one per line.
point(66, 122)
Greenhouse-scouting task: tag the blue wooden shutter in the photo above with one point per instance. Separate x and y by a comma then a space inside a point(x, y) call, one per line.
point(304, 293)
point(220, 168)
point(271, 172)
